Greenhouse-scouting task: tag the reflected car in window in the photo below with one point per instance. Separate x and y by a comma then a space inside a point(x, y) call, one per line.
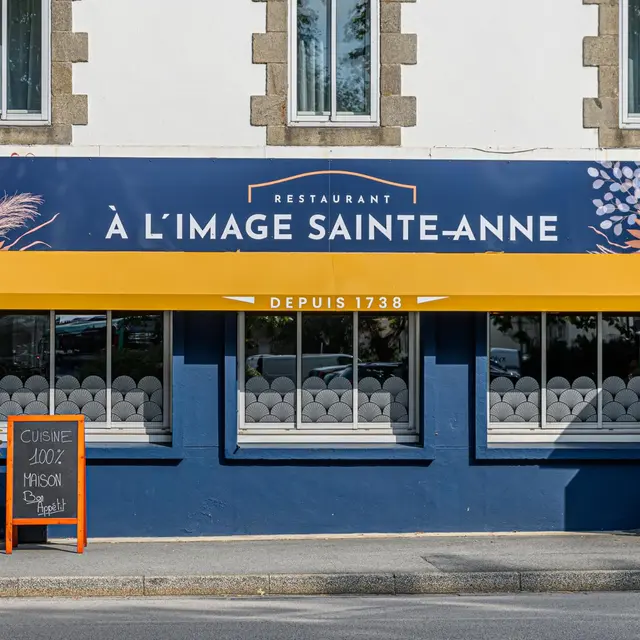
point(496, 370)
point(379, 370)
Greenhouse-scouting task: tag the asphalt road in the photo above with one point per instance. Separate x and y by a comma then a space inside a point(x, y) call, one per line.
point(540, 617)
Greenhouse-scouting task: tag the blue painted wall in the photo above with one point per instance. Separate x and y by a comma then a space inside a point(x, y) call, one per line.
point(204, 495)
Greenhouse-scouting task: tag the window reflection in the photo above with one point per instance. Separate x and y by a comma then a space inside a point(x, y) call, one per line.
point(24, 59)
point(572, 368)
point(515, 367)
point(341, 384)
point(270, 368)
point(634, 56)
point(81, 365)
point(314, 57)
point(353, 79)
point(137, 355)
point(24, 364)
point(383, 368)
point(327, 362)
point(620, 368)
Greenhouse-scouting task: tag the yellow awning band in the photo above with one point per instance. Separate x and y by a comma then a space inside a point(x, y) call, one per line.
point(251, 281)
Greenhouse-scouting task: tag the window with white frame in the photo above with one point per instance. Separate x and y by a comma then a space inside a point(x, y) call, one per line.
point(334, 62)
point(111, 367)
point(566, 377)
point(327, 377)
point(630, 67)
point(24, 60)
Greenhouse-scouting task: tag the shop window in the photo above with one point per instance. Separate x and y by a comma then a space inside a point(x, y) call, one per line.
point(111, 367)
point(334, 62)
point(556, 377)
point(327, 377)
point(24, 60)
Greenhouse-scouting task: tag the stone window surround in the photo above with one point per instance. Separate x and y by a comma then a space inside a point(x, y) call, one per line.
point(396, 111)
point(603, 51)
point(67, 108)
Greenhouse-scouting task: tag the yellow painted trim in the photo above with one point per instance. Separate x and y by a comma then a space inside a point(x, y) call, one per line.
point(200, 281)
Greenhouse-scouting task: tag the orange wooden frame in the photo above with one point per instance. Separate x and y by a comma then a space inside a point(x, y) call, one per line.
point(11, 526)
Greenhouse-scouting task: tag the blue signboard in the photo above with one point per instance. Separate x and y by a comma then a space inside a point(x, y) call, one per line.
point(424, 206)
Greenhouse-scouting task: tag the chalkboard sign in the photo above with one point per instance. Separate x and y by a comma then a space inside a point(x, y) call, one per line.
point(46, 473)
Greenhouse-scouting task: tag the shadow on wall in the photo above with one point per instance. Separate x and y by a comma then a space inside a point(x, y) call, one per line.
point(596, 495)
point(603, 497)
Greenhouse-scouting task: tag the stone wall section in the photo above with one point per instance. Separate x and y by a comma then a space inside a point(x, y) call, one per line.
point(603, 51)
point(67, 108)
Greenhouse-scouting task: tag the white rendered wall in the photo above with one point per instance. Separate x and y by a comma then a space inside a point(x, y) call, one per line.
point(164, 73)
point(504, 74)
point(493, 77)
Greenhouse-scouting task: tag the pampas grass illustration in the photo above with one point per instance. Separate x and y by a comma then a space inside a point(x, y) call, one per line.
point(17, 212)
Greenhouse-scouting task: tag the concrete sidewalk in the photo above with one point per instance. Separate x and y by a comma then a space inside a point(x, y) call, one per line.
point(362, 565)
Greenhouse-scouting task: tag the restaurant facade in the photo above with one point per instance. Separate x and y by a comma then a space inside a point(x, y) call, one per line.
point(327, 266)
point(310, 346)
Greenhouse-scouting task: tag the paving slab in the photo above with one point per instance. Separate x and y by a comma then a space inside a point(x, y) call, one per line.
point(310, 566)
point(489, 553)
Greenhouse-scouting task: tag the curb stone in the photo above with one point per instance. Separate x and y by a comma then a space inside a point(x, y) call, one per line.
point(406, 583)
point(613, 580)
point(332, 584)
point(216, 585)
point(8, 587)
point(80, 586)
point(467, 582)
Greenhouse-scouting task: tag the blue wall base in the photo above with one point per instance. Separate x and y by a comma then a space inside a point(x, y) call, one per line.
point(198, 489)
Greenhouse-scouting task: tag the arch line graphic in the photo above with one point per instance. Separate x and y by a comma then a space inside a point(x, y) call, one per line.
point(411, 187)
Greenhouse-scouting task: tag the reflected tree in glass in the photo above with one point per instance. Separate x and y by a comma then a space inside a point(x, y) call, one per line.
point(24, 57)
point(383, 368)
point(270, 368)
point(314, 57)
point(353, 81)
point(24, 364)
point(137, 366)
point(81, 363)
point(634, 57)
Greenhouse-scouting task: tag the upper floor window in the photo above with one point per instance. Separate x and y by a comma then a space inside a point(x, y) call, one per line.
point(334, 62)
point(630, 84)
point(24, 63)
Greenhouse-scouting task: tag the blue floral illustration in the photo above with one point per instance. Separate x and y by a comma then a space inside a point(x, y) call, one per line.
point(618, 207)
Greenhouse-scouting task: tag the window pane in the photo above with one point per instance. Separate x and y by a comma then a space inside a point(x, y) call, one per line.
point(81, 365)
point(353, 80)
point(620, 368)
point(137, 359)
point(24, 58)
point(572, 363)
point(24, 364)
point(314, 57)
point(270, 368)
point(383, 368)
point(515, 369)
point(634, 56)
point(327, 368)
